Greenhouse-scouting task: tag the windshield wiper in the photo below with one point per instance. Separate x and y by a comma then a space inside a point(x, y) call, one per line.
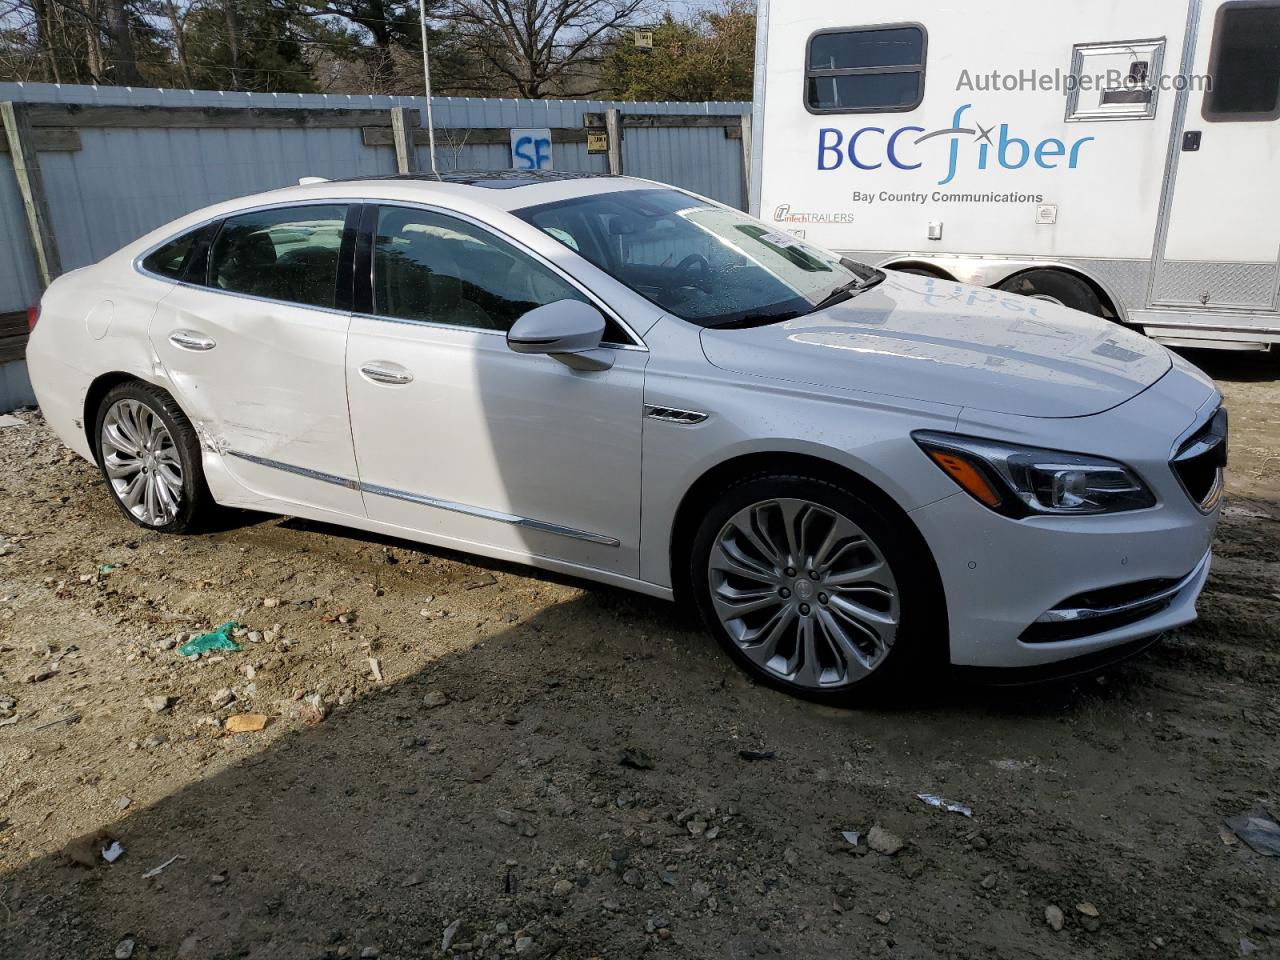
point(848, 291)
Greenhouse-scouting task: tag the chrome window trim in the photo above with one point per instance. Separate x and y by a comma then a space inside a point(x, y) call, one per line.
point(638, 341)
point(638, 344)
point(257, 299)
point(483, 513)
point(257, 208)
point(459, 328)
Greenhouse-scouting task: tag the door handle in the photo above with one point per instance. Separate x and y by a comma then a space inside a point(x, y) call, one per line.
point(191, 340)
point(389, 373)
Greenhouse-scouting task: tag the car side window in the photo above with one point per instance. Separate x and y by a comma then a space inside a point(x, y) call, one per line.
point(170, 260)
point(289, 254)
point(433, 268)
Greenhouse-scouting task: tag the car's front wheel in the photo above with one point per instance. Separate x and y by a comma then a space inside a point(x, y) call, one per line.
point(150, 456)
point(813, 589)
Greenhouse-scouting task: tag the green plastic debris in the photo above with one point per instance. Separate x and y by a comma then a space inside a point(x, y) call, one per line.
point(219, 639)
point(107, 568)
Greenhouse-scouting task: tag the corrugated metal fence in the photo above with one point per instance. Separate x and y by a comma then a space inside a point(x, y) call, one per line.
point(114, 167)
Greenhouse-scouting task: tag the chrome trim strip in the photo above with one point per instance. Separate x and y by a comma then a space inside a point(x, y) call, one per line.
point(674, 415)
point(483, 513)
point(1076, 614)
point(300, 471)
point(483, 330)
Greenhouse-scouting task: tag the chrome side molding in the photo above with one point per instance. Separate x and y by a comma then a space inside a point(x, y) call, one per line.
point(484, 513)
point(300, 471)
point(672, 415)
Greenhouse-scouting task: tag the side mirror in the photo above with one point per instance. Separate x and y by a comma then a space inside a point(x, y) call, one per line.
point(568, 330)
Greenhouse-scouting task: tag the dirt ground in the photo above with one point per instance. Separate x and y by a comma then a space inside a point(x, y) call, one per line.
point(473, 795)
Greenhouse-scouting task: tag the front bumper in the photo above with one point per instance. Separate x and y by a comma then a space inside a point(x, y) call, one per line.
point(1026, 594)
point(1001, 576)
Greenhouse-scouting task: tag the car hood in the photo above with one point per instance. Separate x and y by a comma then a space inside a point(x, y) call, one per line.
point(944, 342)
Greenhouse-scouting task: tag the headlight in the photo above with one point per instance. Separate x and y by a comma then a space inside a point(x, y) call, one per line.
point(1026, 481)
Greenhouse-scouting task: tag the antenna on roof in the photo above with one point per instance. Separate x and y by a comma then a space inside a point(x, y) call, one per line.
point(426, 76)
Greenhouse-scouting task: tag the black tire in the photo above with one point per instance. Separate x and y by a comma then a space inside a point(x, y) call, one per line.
point(196, 505)
point(1054, 285)
point(918, 654)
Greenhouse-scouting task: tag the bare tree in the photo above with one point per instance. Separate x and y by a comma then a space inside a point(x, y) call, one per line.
point(540, 46)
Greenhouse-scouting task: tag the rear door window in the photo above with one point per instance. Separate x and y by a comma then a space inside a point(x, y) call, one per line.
point(289, 254)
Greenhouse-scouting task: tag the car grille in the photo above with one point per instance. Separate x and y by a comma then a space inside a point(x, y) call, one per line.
point(1200, 462)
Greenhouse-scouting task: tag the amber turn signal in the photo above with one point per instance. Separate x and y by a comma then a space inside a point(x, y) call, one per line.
point(967, 475)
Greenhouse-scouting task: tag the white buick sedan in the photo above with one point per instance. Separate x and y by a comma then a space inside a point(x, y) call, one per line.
point(853, 474)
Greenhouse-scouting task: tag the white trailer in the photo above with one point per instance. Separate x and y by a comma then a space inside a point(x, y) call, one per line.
point(1122, 158)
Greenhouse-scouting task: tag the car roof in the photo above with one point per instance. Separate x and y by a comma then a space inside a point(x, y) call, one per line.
point(473, 193)
point(497, 189)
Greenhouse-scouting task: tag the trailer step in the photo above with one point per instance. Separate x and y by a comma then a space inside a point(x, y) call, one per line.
point(1195, 343)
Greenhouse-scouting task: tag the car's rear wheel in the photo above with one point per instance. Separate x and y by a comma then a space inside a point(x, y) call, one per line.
point(812, 589)
point(150, 456)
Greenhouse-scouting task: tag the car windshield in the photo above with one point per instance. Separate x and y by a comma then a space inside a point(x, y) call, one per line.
point(702, 262)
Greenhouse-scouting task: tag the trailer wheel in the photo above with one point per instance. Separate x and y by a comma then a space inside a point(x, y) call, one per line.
point(1056, 287)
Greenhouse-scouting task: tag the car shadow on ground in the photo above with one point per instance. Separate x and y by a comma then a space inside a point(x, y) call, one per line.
point(399, 814)
point(1245, 366)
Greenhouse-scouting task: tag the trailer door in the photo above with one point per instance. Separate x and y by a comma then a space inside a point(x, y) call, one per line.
point(1221, 231)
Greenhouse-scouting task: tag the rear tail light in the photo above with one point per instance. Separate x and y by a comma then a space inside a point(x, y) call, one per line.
point(33, 316)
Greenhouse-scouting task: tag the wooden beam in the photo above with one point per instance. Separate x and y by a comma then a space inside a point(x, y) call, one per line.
point(13, 324)
point(452, 137)
point(13, 335)
point(26, 167)
point(613, 123)
point(51, 140)
point(13, 348)
point(80, 115)
point(402, 136)
point(746, 161)
point(730, 121)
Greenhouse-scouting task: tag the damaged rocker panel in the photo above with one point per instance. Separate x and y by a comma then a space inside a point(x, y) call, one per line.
point(483, 513)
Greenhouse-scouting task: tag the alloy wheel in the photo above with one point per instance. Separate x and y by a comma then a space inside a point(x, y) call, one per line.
point(804, 593)
point(141, 462)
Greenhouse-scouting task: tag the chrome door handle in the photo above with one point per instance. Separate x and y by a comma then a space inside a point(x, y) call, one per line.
point(391, 373)
point(190, 340)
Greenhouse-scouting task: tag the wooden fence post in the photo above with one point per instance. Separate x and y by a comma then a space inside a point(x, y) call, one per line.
point(613, 123)
point(402, 136)
point(746, 162)
point(26, 167)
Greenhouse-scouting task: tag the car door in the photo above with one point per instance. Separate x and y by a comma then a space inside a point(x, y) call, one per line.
point(254, 343)
point(461, 438)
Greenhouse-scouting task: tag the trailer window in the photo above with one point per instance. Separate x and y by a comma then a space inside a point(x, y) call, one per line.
point(870, 70)
point(1244, 66)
